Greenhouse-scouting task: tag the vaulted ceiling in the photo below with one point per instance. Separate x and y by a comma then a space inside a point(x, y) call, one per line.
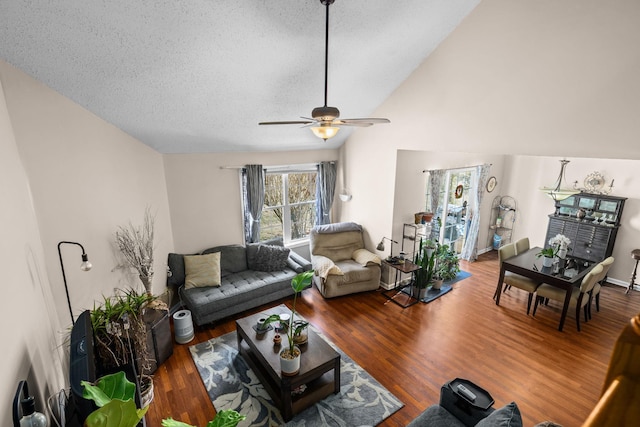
point(197, 76)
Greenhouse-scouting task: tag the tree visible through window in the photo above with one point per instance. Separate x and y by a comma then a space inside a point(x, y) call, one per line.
point(289, 205)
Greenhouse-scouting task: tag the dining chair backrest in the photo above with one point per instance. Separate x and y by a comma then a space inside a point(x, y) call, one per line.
point(606, 265)
point(590, 279)
point(522, 245)
point(507, 251)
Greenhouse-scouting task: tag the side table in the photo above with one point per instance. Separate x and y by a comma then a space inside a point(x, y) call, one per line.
point(391, 294)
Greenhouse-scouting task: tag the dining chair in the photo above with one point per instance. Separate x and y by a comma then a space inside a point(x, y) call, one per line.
point(512, 279)
point(522, 245)
point(606, 265)
point(579, 296)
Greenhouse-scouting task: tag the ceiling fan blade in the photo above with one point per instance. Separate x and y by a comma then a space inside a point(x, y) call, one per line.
point(371, 120)
point(293, 122)
point(347, 123)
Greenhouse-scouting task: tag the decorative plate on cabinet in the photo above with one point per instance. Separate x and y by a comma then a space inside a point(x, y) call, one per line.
point(594, 181)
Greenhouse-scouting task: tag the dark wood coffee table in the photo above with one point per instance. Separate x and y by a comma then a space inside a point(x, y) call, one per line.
point(319, 366)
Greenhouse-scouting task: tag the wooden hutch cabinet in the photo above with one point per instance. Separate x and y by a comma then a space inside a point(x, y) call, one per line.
point(591, 221)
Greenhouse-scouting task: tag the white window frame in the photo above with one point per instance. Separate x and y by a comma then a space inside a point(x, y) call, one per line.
point(286, 207)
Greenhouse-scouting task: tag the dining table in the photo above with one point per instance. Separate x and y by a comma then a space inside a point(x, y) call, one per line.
point(564, 273)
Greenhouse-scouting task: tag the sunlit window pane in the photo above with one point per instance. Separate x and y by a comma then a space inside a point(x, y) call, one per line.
point(271, 224)
point(303, 217)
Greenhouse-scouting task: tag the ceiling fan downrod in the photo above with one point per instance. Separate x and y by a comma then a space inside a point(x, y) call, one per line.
point(327, 3)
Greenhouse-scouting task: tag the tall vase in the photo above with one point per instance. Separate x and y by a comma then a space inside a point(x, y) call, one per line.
point(146, 281)
point(562, 253)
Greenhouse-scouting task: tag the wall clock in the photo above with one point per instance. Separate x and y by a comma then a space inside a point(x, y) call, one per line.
point(491, 184)
point(459, 190)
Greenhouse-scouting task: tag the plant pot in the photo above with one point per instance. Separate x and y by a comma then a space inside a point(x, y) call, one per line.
point(547, 261)
point(437, 284)
point(290, 364)
point(562, 253)
point(427, 217)
point(420, 293)
point(301, 332)
point(146, 390)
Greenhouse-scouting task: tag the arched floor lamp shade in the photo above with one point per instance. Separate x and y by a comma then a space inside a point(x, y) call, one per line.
point(85, 266)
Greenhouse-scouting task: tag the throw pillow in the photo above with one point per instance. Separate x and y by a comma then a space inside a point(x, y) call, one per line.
point(202, 270)
point(507, 416)
point(270, 258)
point(252, 249)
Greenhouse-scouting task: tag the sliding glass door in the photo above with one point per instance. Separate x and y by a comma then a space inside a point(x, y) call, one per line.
point(456, 201)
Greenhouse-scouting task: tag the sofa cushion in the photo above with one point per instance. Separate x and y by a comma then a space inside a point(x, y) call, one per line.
point(233, 258)
point(270, 258)
point(435, 415)
point(507, 416)
point(335, 246)
point(202, 270)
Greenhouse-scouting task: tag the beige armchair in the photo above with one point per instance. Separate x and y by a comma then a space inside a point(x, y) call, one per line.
point(342, 265)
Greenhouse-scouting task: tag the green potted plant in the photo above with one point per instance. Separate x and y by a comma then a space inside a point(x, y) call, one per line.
point(120, 332)
point(114, 396)
point(447, 262)
point(548, 254)
point(290, 355)
point(425, 258)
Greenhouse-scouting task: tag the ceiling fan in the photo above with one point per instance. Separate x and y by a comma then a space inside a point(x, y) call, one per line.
point(324, 121)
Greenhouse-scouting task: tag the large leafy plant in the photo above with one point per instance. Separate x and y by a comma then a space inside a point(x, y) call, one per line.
point(425, 258)
point(114, 396)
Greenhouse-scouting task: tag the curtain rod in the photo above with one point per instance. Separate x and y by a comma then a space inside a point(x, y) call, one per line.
point(455, 169)
point(281, 167)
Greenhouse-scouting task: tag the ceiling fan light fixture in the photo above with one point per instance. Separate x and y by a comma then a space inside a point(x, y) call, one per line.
point(325, 131)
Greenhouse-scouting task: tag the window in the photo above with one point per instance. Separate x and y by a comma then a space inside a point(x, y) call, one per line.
point(289, 209)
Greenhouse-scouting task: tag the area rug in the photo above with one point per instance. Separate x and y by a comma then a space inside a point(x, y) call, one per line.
point(433, 294)
point(231, 384)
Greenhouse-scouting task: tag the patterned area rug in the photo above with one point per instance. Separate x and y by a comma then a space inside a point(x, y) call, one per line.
point(231, 384)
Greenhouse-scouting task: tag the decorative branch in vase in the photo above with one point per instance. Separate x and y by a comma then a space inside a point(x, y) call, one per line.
point(136, 246)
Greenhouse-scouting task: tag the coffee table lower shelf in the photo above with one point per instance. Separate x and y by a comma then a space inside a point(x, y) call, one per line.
point(317, 389)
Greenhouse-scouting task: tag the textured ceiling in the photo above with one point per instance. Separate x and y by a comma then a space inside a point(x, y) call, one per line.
point(197, 76)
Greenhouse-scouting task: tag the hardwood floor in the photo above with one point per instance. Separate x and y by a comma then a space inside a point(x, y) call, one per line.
point(551, 375)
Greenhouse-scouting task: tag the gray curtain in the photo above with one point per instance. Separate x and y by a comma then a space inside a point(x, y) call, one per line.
point(325, 189)
point(470, 250)
point(253, 192)
point(435, 183)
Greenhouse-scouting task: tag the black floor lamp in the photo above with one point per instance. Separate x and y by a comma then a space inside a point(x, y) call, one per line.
point(85, 266)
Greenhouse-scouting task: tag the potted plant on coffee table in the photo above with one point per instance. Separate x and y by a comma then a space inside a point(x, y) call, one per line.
point(290, 355)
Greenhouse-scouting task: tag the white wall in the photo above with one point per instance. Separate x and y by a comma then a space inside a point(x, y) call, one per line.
point(30, 333)
point(515, 78)
point(206, 209)
point(87, 178)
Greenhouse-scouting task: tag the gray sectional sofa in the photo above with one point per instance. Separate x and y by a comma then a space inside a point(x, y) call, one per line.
point(249, 277)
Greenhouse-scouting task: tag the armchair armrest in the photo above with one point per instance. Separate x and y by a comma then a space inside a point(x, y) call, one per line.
point(323, 266)
point(364, 257)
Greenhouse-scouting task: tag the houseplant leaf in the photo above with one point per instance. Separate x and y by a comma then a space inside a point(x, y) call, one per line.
point(226, 418)
point(116, 413)
point(109, 387)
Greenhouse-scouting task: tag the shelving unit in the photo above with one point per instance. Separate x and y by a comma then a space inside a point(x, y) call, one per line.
point(411, 235)
point(591, 221)
point(503, 218)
